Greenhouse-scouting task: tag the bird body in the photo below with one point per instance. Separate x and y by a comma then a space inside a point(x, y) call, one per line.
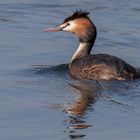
point(83, 65)
point(101, 67)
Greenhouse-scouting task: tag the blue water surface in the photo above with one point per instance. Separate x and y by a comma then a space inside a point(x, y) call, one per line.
point(38, 98)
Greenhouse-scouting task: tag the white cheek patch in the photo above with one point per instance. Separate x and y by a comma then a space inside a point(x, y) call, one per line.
point(70, 27)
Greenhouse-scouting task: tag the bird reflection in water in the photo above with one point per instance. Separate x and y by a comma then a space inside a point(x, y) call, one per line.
point(87, 94)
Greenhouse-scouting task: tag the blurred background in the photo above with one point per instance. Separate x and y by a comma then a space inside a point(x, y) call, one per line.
point(38, 98)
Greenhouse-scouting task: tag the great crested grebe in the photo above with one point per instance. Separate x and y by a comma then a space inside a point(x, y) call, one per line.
point(83, 65)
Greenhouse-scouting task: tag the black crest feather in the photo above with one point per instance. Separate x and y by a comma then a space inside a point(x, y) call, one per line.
point(76, 15)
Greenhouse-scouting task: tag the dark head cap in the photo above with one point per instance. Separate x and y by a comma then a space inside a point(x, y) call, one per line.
point(76, 15)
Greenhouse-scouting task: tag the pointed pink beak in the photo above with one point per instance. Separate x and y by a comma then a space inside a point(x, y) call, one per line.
point(55, 29)
point(58, 28)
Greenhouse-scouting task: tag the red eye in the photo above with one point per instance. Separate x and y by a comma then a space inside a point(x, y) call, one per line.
point(68, 24)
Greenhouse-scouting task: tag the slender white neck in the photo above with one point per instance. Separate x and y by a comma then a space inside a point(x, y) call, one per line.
point(87, 39)
point(83, 50)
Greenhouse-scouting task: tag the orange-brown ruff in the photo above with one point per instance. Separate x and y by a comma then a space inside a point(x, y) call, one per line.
point(83, 65)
